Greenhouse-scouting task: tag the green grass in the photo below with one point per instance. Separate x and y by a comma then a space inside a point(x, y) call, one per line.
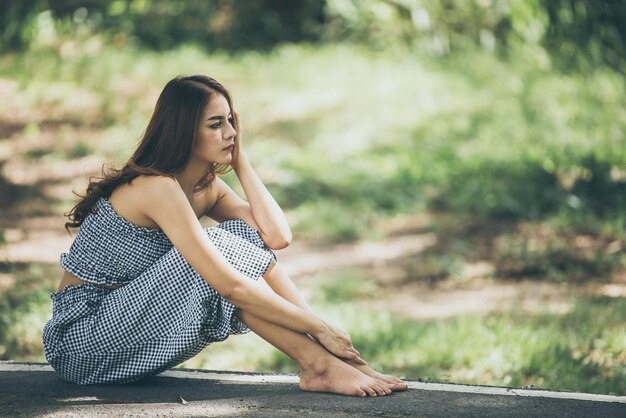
point(582, 350)
point(345, 285)
point(364, 134)
point(514, 161)
point(578, 348)
point(25, 307)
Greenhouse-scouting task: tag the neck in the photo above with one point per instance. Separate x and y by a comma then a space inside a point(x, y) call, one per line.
point(190, 176)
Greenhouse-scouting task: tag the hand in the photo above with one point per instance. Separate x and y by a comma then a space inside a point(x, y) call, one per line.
point(339, 343)
point(237, 152)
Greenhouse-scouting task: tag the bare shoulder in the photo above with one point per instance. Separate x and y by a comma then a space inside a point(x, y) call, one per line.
point(208, 197)
point(153, 188)
point(219, 187)
point(136, 201)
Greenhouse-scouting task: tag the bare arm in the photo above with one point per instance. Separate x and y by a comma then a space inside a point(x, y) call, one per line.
point(176, 218)
point(261, 210)
point(280, 283)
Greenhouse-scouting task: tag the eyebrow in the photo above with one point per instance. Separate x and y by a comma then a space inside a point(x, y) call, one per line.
point(217, 117)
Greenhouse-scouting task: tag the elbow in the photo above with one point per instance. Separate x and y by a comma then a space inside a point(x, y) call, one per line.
point(280, 242)
point(238, 294)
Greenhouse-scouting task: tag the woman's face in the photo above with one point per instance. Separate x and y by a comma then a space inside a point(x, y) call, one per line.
point(216, 135)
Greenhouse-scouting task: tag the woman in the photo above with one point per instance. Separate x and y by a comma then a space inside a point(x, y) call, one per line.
point(146, 287)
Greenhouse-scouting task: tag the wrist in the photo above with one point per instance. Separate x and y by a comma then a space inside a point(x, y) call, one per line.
point(240, 162)
point(319, 328)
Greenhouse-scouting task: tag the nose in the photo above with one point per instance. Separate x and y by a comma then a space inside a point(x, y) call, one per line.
point(230, 133)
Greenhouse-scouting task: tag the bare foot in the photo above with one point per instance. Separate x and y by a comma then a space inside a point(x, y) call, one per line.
point(398, 384)
point(336, 376)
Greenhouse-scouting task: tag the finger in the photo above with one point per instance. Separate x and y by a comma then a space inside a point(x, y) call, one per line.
point(353, 350)
point(237, 121)
point(348, 355)
point(356, 356)
point(359, 360)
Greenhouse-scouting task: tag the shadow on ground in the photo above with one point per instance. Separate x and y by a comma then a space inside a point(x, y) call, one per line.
point(40, 392)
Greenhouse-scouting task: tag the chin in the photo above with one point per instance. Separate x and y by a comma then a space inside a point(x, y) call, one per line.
point(221, 160)
point(225, 160)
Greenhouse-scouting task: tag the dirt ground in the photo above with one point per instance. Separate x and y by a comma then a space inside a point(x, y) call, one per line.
point(36, 187)
point(41, 239)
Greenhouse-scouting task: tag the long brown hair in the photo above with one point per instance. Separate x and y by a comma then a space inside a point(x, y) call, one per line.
point(166, 146)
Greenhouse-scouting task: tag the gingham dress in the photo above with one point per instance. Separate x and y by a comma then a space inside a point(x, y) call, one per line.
point(164, 313)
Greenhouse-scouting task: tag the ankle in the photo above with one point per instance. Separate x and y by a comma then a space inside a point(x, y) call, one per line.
point(318, 364)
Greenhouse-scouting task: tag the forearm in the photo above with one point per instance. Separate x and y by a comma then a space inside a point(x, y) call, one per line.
point(178, 220)
point(267, 214)
point(255, 298)
point(270, 306)
point(279, 282)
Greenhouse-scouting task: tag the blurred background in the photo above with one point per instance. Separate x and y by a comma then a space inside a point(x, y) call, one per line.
point(454, 171)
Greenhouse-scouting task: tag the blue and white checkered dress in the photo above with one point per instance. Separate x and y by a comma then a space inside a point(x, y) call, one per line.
point(164, 313)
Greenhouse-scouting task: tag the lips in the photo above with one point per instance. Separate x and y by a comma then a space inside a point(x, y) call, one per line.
point(229, 148)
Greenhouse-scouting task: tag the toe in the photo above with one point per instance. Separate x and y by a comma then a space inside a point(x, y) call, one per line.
point(370, 391)
point(400, 387)
point(389, 380)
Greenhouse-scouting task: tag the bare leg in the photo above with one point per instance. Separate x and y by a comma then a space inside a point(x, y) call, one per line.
point(320, 370)
point(278, 279)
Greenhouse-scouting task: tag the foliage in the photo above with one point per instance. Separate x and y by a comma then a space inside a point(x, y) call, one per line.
point(24, 310)
point(18, 21)
point(577, 33)
point(579, 350)
point(586, 33)
point(347, 136)
point(162, 24)
point(471, 134)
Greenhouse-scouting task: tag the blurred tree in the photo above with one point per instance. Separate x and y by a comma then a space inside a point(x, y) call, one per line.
point(263, 23)
point(587, 33)
point(159, 24)
point(577, 33)
point(17, 22)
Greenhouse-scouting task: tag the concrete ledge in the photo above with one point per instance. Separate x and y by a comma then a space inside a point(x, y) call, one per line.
point(33, 389)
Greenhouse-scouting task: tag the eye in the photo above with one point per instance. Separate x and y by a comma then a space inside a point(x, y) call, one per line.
point(216, 125)
point(231, 120)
